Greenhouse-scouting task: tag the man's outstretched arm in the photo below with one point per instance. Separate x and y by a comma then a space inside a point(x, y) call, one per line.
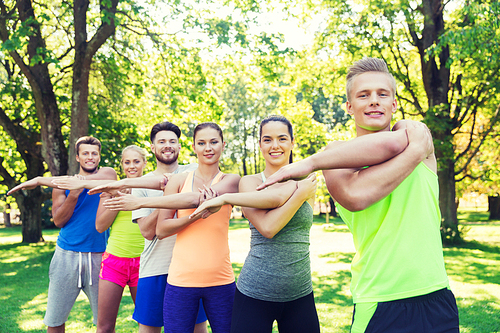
point(362, 151)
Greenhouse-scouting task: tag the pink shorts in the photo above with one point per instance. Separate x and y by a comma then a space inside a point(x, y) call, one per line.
point(122, 271)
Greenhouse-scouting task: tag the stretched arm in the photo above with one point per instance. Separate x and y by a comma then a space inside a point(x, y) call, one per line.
point(270, 222)
point(362, 151)
point(275, 196)
point(75, 183)
point(357, 189)
point(153, 182)
point(37, 181)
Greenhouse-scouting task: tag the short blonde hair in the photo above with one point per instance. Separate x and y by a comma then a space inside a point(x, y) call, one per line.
point(138, 149)
point(366, 65)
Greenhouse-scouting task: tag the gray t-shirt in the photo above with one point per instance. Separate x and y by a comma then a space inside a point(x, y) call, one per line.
point(157, 254)
point(279, 269)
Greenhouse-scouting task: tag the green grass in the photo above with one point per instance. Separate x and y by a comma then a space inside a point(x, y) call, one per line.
point(473, 268)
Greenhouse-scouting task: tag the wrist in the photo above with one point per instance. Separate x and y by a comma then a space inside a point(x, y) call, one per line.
point(223, 199)
point(311, 162)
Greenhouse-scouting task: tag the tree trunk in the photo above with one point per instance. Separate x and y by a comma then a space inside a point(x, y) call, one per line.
point(494, 207)
point(84, 53)
point(53, 149)
point(436, 80)
point(30, 207)
point(449, 221)
point(6, 216)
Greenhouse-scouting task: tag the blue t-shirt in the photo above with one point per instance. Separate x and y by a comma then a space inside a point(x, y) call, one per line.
point(79, 234)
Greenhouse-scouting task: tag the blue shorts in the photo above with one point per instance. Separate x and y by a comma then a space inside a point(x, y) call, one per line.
point(181, 304)
point(436, 312)
point(149, 302)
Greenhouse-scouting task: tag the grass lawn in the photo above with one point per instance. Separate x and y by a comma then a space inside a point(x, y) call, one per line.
point(474, 271)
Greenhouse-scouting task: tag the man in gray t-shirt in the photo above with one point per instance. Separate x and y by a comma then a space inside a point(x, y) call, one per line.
point(157, 254)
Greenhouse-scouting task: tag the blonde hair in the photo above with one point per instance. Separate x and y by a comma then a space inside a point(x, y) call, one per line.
point(366, 65)
point(138, 149)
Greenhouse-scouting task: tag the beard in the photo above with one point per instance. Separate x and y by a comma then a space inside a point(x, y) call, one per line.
point(167, 160)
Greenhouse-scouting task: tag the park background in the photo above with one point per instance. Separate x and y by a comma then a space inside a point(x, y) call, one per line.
point(113, 68)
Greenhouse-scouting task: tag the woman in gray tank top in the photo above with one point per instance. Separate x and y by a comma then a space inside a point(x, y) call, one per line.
point(275, 281)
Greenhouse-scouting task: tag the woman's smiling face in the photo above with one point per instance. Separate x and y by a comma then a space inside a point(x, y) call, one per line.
point(208, 145)
point(276, 143)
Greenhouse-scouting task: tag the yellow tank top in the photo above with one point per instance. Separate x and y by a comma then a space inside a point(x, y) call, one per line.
point(201, 252)
point(398, 243)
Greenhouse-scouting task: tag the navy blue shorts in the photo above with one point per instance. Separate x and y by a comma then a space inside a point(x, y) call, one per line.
point(181, 304)
point(149, 302)
point(436, 312)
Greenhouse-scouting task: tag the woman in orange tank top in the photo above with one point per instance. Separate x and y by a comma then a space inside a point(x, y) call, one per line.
point(200, 267)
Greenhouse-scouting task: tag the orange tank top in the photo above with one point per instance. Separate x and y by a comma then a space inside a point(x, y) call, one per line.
point(201, 252)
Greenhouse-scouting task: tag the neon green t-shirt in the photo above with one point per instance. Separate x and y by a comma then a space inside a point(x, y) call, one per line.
point(398, 242)
point(125, 239)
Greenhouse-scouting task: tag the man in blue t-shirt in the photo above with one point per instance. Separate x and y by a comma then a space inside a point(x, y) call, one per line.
point(77, 260)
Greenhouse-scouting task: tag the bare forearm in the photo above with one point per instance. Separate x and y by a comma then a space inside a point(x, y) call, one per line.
point(360, 190)
point(172, 201)
point(65, 211)
point(169, 227)
point(362, 151)
point(104, 219)
point(147, 224)
point(269, 223)
point(153, 183)
point(268, 199)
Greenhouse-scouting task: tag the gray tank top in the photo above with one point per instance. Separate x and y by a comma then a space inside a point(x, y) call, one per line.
point(279, 269)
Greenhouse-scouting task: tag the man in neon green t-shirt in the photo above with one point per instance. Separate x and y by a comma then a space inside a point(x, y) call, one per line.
point(399, 282)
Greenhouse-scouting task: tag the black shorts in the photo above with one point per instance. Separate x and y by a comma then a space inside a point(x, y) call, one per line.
point(252, 315)
point(436, 312)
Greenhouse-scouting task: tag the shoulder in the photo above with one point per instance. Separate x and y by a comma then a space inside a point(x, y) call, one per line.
point(58, 193)
point(230, 177)
point(334, 144)
point(107, 173)
point(250, 182)
point(186, 168)
point(178, 178)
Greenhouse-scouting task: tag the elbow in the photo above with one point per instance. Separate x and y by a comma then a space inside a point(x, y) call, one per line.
point(268, 232)
point(149, 235)
point(269, 235)
point(162, 234)
point(100, 229)
point(353, 202)
point(59, 223)
point(394, 147)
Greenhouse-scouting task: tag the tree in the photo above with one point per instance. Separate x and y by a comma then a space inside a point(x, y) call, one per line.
point(455, 83)
point(32, 36)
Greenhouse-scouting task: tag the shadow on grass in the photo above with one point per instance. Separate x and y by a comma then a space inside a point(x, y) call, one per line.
point(331, 288)
point(23, 284)
point(473, 262)
point(479, 315)
point(343, 257)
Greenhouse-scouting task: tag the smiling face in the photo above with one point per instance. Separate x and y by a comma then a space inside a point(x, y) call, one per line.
point(208, 145)
point(166, 147)
point(372, 102)
point(276, 143)
point(133, 163)
point(88, 157)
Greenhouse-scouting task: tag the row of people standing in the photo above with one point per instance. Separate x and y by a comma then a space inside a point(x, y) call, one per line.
point(280, 218)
